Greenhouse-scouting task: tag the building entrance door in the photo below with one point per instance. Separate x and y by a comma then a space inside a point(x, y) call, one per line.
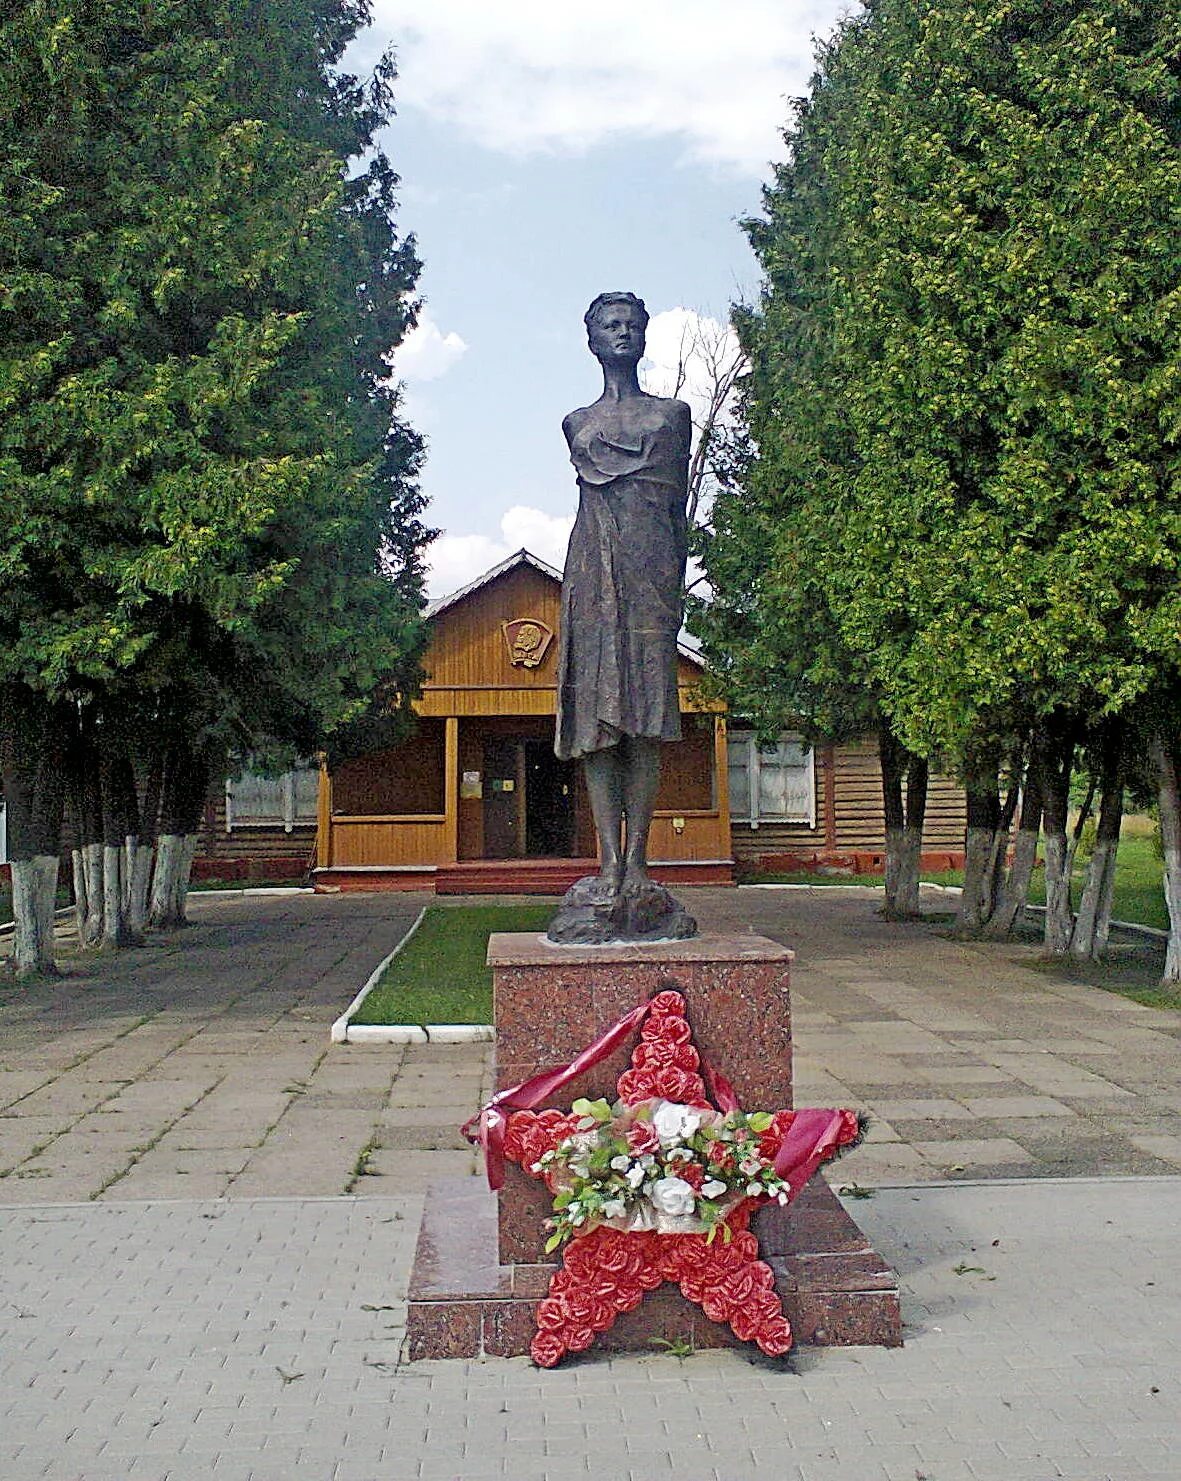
point(504, 798)
point(528, 800)
point(549, 802)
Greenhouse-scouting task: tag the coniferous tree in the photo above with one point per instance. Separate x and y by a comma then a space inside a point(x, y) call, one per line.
point(968, 384)
point(214, 535)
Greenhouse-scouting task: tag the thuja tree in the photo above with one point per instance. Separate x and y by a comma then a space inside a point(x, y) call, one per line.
point(775, 642)
point(214, 533)
point(984, 252)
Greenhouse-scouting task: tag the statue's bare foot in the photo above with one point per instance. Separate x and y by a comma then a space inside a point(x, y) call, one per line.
point(636, 879)
point(607, 882)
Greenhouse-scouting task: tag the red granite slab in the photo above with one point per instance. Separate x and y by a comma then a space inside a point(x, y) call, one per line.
point(551, 1001)
point(462, 1304)
point(480, 1268)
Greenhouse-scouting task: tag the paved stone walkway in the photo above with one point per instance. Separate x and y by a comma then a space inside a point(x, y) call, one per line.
point(259, 1341)
point(177, 1303)
point(200, 1066)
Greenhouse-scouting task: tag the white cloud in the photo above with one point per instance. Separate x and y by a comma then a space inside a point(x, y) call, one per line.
point(542, 75)
point(427, 353)
point(457, 559)
point(708, 347)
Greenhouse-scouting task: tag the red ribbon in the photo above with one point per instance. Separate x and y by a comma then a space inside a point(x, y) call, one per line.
point(813, 1134)
point(488, 1126)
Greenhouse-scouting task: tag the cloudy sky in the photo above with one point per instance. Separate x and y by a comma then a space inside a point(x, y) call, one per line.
point(550, 152)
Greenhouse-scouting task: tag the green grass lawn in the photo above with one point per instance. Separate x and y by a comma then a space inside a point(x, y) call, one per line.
point(1138, 893)
point(440, 976)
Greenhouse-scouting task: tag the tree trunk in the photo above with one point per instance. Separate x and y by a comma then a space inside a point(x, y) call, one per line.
point(917, 776)
point(904, 825)
point(78, 872)
point(143, 854)
point(984, 816)
point(32, 762)
point(119, 817)
point(1168, 771)
point(1091, 926)
point(1001, 839)
point(34, 898)
point(86, 797)
point(162, 909)
point(186, 781)
point(1011, 910)
point(1055, 762)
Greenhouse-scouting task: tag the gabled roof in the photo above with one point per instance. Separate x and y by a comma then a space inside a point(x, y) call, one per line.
point(525, 557)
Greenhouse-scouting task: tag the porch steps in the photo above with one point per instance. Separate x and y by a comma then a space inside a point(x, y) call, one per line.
point(511, 876)
point(506, 876)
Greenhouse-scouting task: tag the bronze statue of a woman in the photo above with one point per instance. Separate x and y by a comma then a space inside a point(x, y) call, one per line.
point(622, 598)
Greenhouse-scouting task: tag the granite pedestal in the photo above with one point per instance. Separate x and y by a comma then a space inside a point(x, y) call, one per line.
point(480, 1268)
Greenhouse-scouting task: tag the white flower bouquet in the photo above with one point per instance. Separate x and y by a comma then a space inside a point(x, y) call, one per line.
point(662, 1166)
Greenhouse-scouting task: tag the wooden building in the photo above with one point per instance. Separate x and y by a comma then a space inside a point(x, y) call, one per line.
point(475, 799)
point(825, 811)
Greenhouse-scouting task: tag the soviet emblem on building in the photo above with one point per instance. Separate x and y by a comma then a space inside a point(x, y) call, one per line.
point(528, 641)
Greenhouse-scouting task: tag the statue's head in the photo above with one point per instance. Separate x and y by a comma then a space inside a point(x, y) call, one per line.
point(615, 326)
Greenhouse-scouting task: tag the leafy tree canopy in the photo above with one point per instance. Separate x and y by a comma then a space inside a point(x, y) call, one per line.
point(206, 487)
point(965, 393)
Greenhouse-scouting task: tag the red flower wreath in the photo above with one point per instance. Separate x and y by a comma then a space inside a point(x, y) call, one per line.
point(606, 1269)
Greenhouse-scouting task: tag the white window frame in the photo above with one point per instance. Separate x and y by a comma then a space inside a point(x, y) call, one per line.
point(289, 821)
point(756, 816)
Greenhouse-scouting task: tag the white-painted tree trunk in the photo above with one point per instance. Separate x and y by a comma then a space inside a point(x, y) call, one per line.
point(170, 880)
point(1169, 796)
point(92, 864)
point(1011, 911)
point(127, 869)
point(138, 884)
point(1103, 923)
point(1058, 914)
point(34, 897)
point(908, 882)
point(1173, 901)
point(1085, 939)
point(114, 920)
point(893, 875)
point(169, 852)
point(976, 899)
point(79, 874)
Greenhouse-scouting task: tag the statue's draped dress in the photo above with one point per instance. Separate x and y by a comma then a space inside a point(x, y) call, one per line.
point(623, 587)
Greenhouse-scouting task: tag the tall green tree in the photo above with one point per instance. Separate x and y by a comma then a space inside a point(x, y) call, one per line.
point(773, 638)
point(214, 527)
point(978, 233)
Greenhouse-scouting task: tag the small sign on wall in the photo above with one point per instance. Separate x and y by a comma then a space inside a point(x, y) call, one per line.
point(528, 640)
point(471, 785)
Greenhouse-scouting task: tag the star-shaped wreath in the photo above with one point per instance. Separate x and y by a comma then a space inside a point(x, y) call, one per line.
point(659, 1186)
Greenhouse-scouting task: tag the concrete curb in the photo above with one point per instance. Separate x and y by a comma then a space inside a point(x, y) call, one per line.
point(262, 889)
point(345, 1032)
point(9, 926)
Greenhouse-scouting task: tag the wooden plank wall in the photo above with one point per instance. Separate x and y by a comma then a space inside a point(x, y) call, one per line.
point(860, 818)
point(858, 815)
point(253, 844)
point(405, 779)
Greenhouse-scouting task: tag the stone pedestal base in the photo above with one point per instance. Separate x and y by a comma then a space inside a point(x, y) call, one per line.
point(836, 1291)
point(480, 1268)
